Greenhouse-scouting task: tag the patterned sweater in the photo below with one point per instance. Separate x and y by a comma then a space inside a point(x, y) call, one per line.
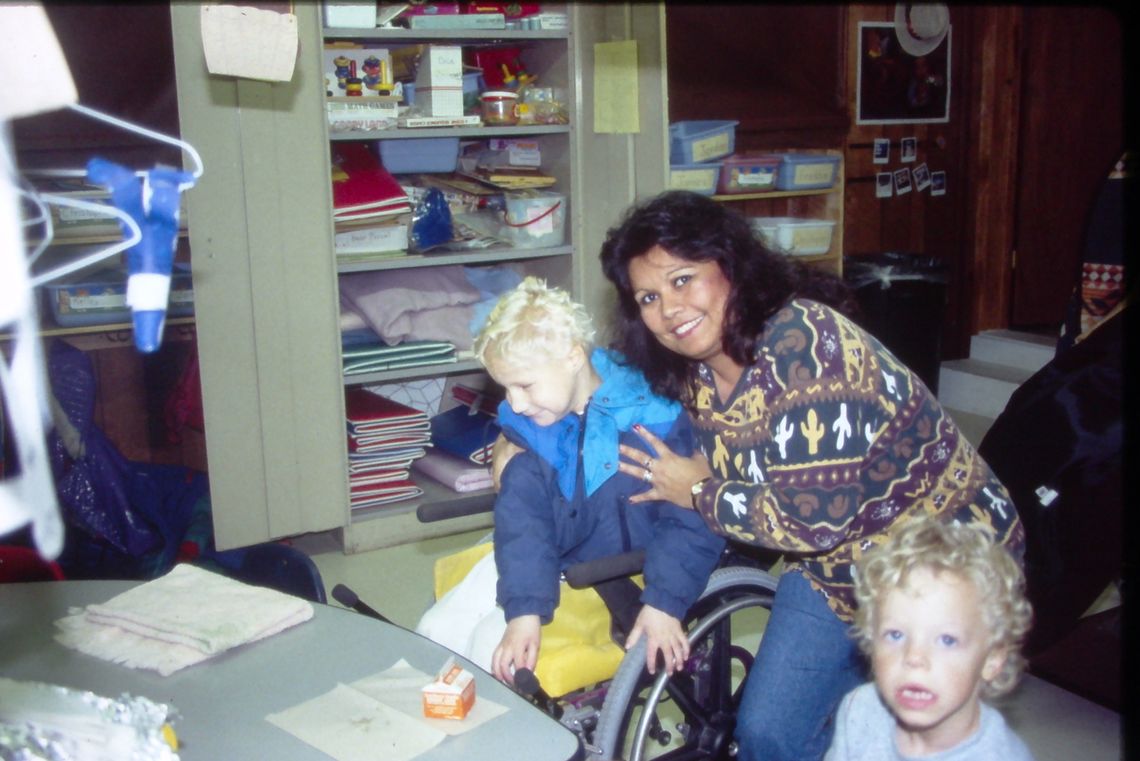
point(827, 442)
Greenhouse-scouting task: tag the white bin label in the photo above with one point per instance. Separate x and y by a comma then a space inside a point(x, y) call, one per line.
point(691, 179)
point(710, 147)
point(758, 178)
point(814, 174)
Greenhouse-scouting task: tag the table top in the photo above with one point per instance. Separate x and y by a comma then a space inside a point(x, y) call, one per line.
point(222, 703)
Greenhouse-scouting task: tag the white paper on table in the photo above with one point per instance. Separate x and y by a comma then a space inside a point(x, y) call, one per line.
point(400, 688)
point(351, 726)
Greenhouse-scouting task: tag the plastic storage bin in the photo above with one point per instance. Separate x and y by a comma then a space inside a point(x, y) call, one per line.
point(807, 171)
point(100, 298)
point(420, 154)
point(694, 142)
point(699, 178)
point(535, 219)
point(795, 236)
point(748, 174)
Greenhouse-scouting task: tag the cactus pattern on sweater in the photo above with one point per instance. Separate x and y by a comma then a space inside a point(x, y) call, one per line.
point(827, 442)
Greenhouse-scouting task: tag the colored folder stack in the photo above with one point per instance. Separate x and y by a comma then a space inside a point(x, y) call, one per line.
point(384, 439)
point(467, 432)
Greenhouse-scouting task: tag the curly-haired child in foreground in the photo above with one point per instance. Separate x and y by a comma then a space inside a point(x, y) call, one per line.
point(942, 614)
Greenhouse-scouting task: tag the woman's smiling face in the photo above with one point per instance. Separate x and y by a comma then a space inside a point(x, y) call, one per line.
point(682, 302)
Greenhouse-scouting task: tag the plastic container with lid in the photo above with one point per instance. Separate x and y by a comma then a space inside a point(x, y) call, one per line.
point(500, 107)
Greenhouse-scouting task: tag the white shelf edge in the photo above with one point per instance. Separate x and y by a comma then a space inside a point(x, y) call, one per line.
point(470, 258)
point(406, 133)
point(413, 35)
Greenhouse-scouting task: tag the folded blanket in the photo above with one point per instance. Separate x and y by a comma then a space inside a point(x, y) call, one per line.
point(457, 473)
point(180, 619)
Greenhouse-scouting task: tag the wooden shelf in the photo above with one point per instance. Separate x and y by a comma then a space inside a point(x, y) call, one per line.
point(773, 195)
point(113, 331)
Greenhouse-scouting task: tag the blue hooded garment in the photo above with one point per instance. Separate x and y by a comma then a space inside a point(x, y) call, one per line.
point(557, 508)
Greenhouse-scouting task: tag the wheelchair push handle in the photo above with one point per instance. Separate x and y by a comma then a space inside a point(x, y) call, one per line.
point(591, 572)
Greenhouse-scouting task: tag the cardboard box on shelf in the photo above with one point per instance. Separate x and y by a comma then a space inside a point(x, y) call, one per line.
point(439, 81)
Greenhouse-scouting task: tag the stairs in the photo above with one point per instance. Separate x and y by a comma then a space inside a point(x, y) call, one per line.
point(976, 390)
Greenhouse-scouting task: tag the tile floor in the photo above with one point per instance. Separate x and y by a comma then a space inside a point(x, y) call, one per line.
point(1057, 725)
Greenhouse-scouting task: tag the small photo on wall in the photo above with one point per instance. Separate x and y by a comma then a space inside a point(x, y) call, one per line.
point(883, 185)
point(902, 181)
point(882, 151)
point(938, 183)
point(921, 177)
point(909, 149)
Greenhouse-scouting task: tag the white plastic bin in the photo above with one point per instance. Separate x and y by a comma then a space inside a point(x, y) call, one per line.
point(795, 236)
point(535, 219)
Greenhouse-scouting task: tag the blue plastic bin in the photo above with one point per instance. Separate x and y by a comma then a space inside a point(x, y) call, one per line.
point(807, 171)
point(700, 141)
point(100, 298)
point(420, 154)
point(699, 178)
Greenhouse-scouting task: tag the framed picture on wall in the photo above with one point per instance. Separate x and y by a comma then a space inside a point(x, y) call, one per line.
point(903, 78)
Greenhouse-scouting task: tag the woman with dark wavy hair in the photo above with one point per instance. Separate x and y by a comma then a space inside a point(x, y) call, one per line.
point(816, 442)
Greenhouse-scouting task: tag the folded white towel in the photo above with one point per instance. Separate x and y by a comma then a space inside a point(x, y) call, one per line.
point(179, 619)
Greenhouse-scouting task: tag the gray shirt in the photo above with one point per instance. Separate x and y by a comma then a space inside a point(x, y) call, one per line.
point(865, 731)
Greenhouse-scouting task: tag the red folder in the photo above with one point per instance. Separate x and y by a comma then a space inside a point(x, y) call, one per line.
point(368, 412)
point(361, 187)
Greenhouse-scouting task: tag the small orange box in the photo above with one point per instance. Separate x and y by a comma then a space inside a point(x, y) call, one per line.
point(451, 695)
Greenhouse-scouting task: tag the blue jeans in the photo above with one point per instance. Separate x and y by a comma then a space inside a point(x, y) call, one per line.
point(805, 665)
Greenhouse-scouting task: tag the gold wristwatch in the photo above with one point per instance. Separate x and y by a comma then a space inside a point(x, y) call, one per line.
point(697, 488)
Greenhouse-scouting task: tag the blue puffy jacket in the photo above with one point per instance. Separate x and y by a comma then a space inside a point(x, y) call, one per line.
point(563, 501)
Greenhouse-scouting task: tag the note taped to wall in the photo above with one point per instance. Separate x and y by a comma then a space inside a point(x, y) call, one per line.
point(249, 42)
point(616, 96)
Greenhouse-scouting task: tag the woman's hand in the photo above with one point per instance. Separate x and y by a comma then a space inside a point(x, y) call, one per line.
point(501, 453)
point(669, 475)
point(663, 635)
point(518, 648)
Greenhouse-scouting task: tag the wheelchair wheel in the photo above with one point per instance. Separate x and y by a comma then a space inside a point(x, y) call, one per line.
point(706, 694)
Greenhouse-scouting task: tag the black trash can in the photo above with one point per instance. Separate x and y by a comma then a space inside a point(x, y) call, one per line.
point(903, 300)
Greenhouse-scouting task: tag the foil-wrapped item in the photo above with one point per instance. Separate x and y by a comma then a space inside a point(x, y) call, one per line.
point(48, 722)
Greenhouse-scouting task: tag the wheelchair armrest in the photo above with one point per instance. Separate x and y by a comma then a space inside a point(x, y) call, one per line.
point(472, 504)
point(591, 572)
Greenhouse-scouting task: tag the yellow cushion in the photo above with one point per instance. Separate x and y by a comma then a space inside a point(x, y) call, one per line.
point(576, 649)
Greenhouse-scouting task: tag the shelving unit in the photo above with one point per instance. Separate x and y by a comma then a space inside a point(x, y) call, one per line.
point(266, 278)
point(547, 54)
point(825, 203)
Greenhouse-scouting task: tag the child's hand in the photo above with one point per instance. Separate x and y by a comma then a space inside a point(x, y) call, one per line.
point(518, 648)
point(664, 634)
point(501, 453)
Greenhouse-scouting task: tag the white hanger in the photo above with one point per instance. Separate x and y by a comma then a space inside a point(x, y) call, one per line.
point(130, 127)
point(135, 233)
point(93, 257)
point(43, 217)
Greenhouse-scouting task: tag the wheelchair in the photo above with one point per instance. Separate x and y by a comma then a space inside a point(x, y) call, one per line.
point(690, 714)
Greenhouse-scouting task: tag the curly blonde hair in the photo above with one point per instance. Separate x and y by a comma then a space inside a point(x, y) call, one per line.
point(969, 552)
point(533, 321)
